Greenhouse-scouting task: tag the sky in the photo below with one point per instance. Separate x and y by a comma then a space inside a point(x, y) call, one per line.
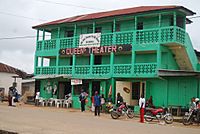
point(18, 16)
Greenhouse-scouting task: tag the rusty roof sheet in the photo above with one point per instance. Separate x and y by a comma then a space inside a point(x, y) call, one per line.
point(133, 10)
point(9, 69)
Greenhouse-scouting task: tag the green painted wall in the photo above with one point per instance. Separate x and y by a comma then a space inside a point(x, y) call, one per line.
point(106, 59)
point(146, 58)
point(52, 61)
point(126, 25)
point(158, 89)
point(64, 61)
point(181, 90)
point(54, 33)
point(119, 59)
point(82, 60)
point(172, 91)
point(168, 61)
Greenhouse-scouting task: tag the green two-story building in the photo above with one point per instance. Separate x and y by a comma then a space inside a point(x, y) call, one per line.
point(132, 51)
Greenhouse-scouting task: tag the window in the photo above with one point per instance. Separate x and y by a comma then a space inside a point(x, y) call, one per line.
point(180, 21)
point(97, 59)
point(98, 30)
point(69, 33)
point(139, 25)
point(89, 30)
point(117, 27)
point(71, 61)
point(135, 90)
point(171, 21)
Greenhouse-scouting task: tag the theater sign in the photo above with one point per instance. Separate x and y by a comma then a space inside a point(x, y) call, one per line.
point(90, 40)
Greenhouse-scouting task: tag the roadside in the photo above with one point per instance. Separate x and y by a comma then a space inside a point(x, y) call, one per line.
point(177, 120)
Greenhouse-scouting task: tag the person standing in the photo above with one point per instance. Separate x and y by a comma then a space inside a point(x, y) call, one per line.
point(142, 107)
point(97, 104)
point(37, 98)
point(10, 95)
point(82, 99)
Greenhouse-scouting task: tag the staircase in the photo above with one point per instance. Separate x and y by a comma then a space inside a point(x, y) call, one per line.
point(185, 55)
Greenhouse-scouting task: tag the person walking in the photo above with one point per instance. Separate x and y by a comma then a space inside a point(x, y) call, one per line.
point(97, 104)
point(82, 99)
point(142, 107)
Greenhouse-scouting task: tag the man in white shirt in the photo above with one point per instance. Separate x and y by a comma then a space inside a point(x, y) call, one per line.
point(37, 98)
point(142, 107)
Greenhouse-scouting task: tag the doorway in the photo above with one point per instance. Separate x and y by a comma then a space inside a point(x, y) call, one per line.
point(95, 87)
point(138, 88)
point(64, 89)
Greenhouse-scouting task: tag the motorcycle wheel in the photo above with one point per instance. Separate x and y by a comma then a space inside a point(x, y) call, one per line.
point(186, 121)
point(169, 119)
point(148, 116)
point(130, 113)
point(114, 115)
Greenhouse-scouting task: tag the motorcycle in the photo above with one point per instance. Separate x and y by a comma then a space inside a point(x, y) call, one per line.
point(121, 111)
point(109, 107)
point(159, 114)
point(190, 117)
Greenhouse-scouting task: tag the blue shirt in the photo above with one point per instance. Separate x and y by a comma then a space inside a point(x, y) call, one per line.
point(97, 100)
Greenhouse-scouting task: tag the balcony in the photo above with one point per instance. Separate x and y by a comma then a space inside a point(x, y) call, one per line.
point(102, 71)
point(162, 35)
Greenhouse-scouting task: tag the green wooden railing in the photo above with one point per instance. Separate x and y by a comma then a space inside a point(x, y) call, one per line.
point(65, 70)
point(138, 37)
point(147, 69)
point(46, 70)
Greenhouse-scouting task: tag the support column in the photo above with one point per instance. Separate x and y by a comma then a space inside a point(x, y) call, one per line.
point(174, 16)
point(58, 47)
point(159, 57)
point(113, 89)
point(36, 58)
point(112, 56)
point(43, 38)
point(74, 56)
point(133, 48)
point(159, 25)
point(92, 55)
point(133, 61)
point(35, 64)
point(135, 26)
point(73, 64)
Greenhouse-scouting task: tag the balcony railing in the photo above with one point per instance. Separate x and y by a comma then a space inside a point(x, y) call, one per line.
point(138, 37)
point(138, 69)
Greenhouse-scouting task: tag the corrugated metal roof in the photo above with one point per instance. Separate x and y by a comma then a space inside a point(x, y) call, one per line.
point(125, 11)
point(9, 69)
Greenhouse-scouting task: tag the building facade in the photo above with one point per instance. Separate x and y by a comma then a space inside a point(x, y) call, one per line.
point(132, 51)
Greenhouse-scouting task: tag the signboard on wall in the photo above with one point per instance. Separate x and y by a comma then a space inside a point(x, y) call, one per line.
point(90, 40)
point(96, 50)
point(76, 81)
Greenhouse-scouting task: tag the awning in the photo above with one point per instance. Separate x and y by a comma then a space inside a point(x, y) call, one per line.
point(177, 73)
point(51, 76)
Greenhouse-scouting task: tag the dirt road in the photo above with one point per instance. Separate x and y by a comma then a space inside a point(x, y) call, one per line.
point(45, 120)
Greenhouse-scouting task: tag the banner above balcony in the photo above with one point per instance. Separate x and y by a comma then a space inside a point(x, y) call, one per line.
point(96, 50)
point(90, 40)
